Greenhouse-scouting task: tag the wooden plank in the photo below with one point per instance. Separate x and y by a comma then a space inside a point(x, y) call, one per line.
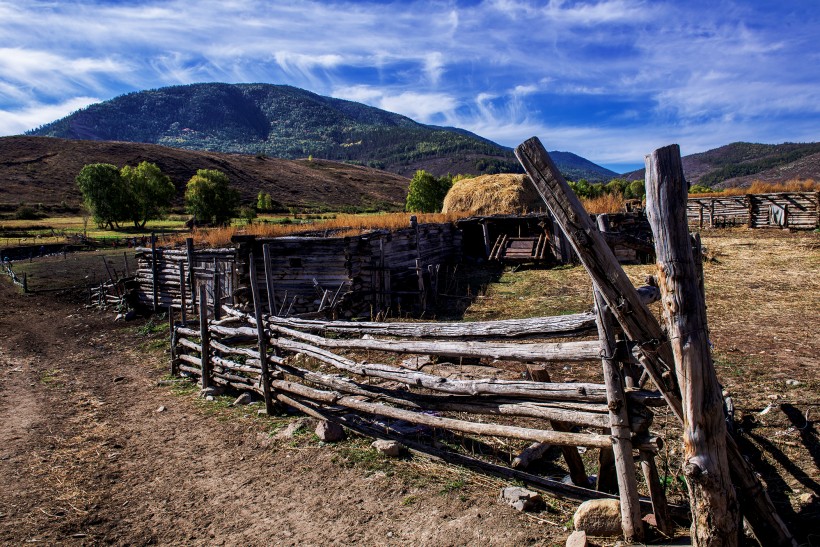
point(204, 335)
point(262, 339)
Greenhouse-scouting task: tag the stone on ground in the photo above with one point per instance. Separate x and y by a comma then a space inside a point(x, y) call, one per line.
point(329, 432)
point(577, 539)
point(388, 448)
point(599, 518)
point(521, 498)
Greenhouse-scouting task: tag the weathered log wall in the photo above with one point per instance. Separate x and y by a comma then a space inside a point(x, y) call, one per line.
point(798, 210)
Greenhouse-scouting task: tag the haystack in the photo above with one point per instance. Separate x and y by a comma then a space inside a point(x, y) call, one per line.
point(504, 194)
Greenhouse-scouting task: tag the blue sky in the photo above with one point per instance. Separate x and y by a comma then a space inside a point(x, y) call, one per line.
point(610, 80)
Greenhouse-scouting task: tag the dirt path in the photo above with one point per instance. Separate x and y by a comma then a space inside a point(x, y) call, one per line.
point(86, 458)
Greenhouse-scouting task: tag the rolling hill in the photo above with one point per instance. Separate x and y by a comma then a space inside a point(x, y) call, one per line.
point(741, 163)
point(288, 122)
point(43, 170)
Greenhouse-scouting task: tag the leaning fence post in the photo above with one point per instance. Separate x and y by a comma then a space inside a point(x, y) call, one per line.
point(204, 336)
point(619, 423)
point(260, 335)
point(182, 302)
point(189, 251)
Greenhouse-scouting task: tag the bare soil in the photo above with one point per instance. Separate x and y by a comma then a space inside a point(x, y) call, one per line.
point(87, 457)
point(97, 448)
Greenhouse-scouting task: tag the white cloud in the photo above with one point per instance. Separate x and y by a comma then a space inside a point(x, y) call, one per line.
point(14, 122)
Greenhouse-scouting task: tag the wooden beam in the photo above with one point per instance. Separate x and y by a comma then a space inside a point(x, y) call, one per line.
point(203, 334)
point(262, 338)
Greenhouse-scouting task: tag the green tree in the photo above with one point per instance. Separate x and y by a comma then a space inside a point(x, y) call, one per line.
point(263, 201)
point(150, 192)
point(209, 197)
point(635, 190)
point(105, 194)
point(426, 192)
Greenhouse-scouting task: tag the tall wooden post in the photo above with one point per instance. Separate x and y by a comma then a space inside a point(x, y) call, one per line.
point(204, 336)
point(182, 303)
point(264, 378)
point(715, 516)
point(189, 250)
point(217, 287)
point(269, 279)
point(172, 331)
point(154, 272)
point(619, 423)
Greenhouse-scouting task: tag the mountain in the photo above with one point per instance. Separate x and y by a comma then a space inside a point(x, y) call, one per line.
point(741, 163)
point(574, 167)
point(288, 122)
point(43, 170)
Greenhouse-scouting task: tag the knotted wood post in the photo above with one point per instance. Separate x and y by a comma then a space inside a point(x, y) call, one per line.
point(619, 421)
point(639, 324)
point(715, 517)
point(204, 336)
point(264, 378)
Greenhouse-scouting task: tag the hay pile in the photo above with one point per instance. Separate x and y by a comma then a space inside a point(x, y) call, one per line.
point(504, 194)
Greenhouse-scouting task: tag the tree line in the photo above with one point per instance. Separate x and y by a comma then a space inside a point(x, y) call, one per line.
point(138, 194)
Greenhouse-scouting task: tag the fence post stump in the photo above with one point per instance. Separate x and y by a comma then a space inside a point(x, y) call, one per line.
point(264, 378)
point(204, 336)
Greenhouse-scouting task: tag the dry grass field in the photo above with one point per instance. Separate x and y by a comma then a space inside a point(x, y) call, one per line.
point(99, 448)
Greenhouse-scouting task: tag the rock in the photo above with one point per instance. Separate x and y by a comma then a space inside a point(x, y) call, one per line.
point(245, 399)
point(291, 429)
point(599, 517)
point(521, 498)
point(807, 499)
point(388, 448)
point(650, 520)
point(329, 432)
point(577, 539)
point(212, 391)
point(263, 440)
point(793, 383)
point(209, 398)
point(161, 409)
point(119, 379)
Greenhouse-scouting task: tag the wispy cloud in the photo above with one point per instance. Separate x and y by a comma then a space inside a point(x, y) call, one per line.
point(602, 78)
point(14, 122)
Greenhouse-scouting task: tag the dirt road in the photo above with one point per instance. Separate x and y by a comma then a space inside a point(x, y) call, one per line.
point(87, 457)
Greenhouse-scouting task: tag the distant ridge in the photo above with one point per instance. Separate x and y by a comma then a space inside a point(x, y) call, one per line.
point(741, 163)
point(43, 170)
point(287, 122)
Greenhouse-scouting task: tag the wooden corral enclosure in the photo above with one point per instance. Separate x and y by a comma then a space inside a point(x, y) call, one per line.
point(798, 210)
point(348, 276)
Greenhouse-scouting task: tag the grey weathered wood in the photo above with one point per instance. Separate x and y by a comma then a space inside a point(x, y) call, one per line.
point(154, 280)
point(182, 303)
point(262, 338)
point(189, 254)
point(660, 505)
point(203, 335)
point(542, 327)
point(217, 288)
point(532, 453)
point(560, 351)
point(266, 256)
point(715, 515)
point(172, 333)
point(553, 437)
point(619, 425)
point(617, 290)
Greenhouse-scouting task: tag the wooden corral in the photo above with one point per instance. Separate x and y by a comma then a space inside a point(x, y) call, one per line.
point(797, 210)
